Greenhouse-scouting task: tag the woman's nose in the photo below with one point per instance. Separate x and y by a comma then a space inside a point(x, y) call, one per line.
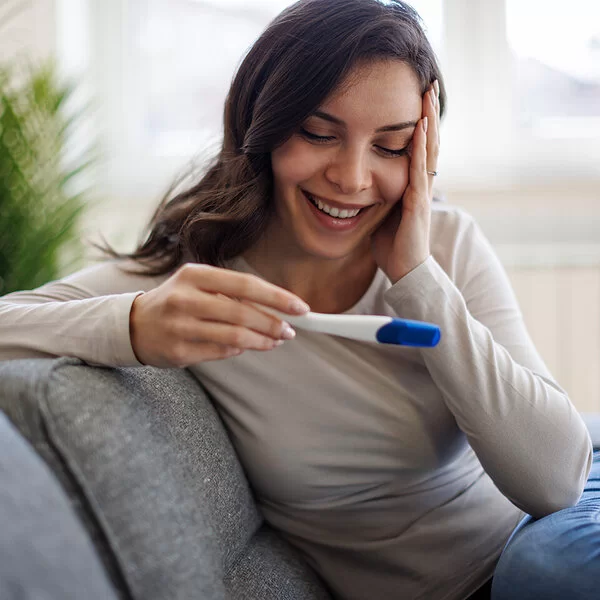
point(349, 171)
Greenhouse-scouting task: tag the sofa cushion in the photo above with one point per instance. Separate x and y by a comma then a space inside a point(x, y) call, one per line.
point(129, 438)
point(269, 569)
point(41, 557)
point(149, 467)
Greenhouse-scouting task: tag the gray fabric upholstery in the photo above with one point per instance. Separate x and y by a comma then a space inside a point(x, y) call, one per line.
point(151, 472)
point(289, 581)
point(22, 391)
point(44, 550)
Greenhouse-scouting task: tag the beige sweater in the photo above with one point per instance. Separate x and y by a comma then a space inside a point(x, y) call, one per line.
point(399, 472)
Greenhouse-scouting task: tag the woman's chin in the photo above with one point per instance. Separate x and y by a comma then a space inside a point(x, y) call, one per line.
point(327, 250)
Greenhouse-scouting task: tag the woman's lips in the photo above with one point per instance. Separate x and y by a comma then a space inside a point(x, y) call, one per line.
point(334, 223)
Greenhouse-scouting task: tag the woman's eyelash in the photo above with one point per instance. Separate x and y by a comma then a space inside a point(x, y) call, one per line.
point(389, 152)
point(328, 138)
point(314, 136)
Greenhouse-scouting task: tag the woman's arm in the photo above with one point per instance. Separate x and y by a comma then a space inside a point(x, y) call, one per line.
point(521, 424)
point(84, 315)
point(110, 317)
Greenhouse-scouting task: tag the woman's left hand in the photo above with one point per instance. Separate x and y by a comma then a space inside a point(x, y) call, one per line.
point(401, 243)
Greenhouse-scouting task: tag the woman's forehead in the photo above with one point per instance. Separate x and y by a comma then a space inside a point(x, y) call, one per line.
point(382, 92)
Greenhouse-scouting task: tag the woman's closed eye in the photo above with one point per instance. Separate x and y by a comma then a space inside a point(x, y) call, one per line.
point(324, 139)
point(394, 153)
point(316, 138)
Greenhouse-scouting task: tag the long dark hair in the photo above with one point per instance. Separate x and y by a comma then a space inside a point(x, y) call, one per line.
point(299, 59)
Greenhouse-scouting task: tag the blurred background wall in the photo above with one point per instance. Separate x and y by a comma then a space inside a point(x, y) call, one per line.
point(29, 26)
point(520, 144)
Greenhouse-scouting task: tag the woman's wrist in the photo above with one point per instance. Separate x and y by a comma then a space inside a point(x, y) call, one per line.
point(401, 271)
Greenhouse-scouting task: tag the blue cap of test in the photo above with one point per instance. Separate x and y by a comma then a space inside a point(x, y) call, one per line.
point(409, 333)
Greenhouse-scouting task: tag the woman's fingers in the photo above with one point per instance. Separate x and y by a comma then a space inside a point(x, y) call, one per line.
point(245, 314)
point(241, 285)
point(193, 331)
point(426, 144)
point(419, 180)
point(432, 111)
point(219, 308)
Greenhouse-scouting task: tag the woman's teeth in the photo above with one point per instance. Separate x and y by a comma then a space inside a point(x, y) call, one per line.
point(332, 211)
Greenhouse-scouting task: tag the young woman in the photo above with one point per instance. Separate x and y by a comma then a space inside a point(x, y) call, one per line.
point(398, 472)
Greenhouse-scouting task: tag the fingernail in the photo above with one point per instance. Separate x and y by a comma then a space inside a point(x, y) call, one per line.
point(425, 124)
point(433, 96)
point(299, 306)
point(277, 343)
point(287, 332)
point(436, 84)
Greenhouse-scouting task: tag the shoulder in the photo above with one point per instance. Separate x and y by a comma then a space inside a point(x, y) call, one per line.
point(449, 222)
point(457, 243)
point(450, 226)
point(112, 277)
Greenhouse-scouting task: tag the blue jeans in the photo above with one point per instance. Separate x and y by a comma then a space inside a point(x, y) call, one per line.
point(557, 557)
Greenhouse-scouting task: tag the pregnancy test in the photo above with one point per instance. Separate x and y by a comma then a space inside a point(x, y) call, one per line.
point(369, 328)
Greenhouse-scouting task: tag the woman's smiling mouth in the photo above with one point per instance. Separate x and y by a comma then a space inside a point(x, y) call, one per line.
point(334, 217)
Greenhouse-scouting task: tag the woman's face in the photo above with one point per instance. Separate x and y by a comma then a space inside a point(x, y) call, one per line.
point(337, 178)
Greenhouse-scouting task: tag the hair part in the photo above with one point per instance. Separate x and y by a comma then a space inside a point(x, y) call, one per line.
point(302, 56)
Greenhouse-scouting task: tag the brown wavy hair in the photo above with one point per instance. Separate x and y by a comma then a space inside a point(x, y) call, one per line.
point(300, 58)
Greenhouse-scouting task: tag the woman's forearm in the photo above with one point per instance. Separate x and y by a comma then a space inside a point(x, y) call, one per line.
point(93, 329)
point(523, 427)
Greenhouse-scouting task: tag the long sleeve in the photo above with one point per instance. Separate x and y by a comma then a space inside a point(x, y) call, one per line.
point(520, 423)
point(85, 315)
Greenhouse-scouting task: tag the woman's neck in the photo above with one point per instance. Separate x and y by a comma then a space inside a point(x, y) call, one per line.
point(328, 285)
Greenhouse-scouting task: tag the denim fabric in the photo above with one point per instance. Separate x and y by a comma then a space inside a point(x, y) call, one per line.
point(557, 557)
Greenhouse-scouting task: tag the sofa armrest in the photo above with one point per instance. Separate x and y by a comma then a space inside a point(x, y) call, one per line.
point(44, 549)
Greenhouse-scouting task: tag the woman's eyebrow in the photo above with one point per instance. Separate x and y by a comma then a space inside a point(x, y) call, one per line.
point(395, 127)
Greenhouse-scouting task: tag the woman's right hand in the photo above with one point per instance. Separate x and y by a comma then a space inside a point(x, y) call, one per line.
point(203, 313)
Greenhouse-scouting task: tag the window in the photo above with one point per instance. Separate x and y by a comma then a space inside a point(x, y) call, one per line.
point(523, 78)
point(186, 52)
point(556, 58)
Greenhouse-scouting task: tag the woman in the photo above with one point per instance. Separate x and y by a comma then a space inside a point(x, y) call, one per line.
point(398, 472)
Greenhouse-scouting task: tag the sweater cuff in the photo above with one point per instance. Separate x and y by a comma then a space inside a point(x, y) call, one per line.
point(418, 293)
point(122, 350)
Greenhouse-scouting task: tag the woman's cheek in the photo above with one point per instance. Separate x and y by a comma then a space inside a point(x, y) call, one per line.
point(295, 161)
point(393, 183)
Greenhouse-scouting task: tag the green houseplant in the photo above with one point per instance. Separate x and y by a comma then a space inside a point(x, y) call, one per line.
point(39, 206)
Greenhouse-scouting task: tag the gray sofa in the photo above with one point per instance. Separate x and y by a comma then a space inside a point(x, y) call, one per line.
point(122, 483)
